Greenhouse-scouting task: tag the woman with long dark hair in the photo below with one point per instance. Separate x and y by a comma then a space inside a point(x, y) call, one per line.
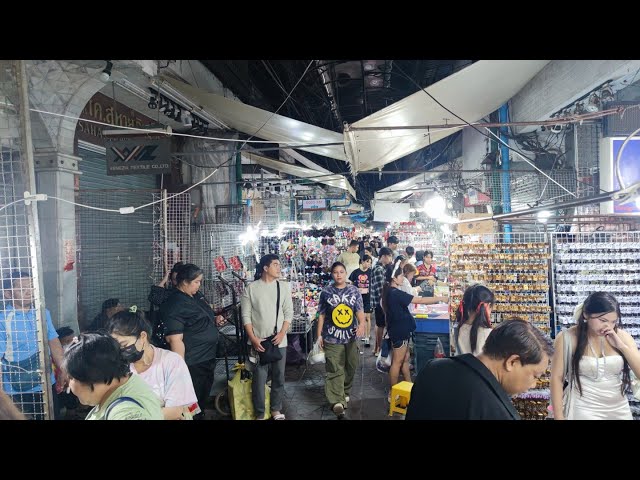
point(400, 323)
point(341, 304)
point(473, 319)
point(602, 356)
point(191, 330)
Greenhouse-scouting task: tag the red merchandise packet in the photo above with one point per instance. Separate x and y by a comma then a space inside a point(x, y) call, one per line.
point(220, 264)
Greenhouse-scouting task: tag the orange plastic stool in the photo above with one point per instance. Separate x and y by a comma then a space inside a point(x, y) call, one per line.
point(400, 397)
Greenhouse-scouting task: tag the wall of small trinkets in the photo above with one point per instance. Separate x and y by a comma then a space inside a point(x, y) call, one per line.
point(597, 261)
point(425, 236)
point(515, 267)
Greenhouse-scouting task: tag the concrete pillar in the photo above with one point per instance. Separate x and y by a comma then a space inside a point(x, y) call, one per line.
point(55, 176)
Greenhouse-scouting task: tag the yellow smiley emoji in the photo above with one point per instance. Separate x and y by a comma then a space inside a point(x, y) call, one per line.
point(342, 316)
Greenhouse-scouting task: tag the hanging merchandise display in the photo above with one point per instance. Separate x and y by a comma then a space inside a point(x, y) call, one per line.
point(599, 261)
point(426, 236)
point(517, 271)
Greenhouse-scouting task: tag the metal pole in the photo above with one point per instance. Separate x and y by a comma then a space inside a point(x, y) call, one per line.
point(503, 114)
point(166, 231)
point(238, 178)
point(602, 197)
point(29, 177)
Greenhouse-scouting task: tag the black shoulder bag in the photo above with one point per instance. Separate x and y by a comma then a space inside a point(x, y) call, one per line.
point(271, 352)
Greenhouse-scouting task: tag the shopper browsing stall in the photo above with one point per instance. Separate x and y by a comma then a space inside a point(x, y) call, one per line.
point(473, 318)
point(601, 358)
point(340, 307)
point(350, 258)
point(361, 278)
point(467, 387)
point(378, 278)
point(400, 323)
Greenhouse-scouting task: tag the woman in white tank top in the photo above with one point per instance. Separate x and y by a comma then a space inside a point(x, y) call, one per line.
point(602, 357)
point(473, 318)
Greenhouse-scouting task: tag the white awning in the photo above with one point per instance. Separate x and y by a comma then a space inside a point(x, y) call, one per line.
point(274, 128)
point(332, 180)
point(403, 189)
point(472, 93)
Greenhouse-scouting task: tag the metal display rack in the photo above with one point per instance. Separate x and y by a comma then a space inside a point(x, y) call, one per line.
point(516, 267)
point(597, 261)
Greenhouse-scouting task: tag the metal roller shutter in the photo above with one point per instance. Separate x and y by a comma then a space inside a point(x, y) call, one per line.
point(115, 252)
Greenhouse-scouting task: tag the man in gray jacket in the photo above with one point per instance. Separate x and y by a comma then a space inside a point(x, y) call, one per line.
point(259, 305)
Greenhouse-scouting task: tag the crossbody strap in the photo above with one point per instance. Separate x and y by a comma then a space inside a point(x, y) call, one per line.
point(275, 329)
point(120, 400)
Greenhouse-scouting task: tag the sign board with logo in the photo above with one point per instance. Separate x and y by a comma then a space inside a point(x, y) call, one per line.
point(138, 155)
point(101, 108)
point(475, 228)
point(315, 204)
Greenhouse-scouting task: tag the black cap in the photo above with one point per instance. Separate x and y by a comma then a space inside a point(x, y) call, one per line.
point(112, 302)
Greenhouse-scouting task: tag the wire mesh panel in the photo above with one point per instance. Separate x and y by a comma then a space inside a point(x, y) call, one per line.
point(115, 251)
point(171, 232)
point(21, 334)
point(217, 249)
point(271, 212)
point(531, 188)
point(232, 214)
point(584, 263)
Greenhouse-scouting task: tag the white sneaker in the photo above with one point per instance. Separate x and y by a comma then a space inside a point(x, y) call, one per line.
point(346, 399)
point(338, 409)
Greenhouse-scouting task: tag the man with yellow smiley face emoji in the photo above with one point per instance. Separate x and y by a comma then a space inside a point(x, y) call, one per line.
point(339, 304)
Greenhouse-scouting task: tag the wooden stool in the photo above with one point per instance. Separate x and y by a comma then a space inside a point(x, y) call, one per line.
point(402, 391)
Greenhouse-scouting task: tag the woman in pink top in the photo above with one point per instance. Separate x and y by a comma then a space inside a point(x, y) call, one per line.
point(163, 370)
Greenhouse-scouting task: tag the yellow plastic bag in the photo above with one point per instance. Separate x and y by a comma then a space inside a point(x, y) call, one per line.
point(240, 396)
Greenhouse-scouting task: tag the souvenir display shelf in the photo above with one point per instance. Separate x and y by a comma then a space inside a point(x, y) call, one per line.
point(597, 261)
point(425, 236)
point(517, 271)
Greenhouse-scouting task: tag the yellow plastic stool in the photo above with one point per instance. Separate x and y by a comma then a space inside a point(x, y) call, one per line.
point(401, 391)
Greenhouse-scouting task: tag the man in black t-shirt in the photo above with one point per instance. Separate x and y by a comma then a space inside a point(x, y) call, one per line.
point(361, 278)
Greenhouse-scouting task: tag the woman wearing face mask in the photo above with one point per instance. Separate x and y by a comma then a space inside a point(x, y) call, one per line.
point(100, 377)
point(602, 358)
point(163, 370)
point(191, 330)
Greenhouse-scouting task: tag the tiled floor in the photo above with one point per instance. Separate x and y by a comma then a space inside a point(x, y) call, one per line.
point(305, 400)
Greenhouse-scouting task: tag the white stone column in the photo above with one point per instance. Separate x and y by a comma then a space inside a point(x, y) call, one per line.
point(55, 176)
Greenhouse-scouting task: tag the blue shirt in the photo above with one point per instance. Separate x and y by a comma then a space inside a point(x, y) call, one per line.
point(19, 339)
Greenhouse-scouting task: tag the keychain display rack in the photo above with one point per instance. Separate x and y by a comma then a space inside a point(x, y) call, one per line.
point(517, 271)
point(592, 262)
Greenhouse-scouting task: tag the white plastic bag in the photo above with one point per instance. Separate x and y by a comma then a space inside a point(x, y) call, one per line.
point(383, 364)
point(316, 355)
